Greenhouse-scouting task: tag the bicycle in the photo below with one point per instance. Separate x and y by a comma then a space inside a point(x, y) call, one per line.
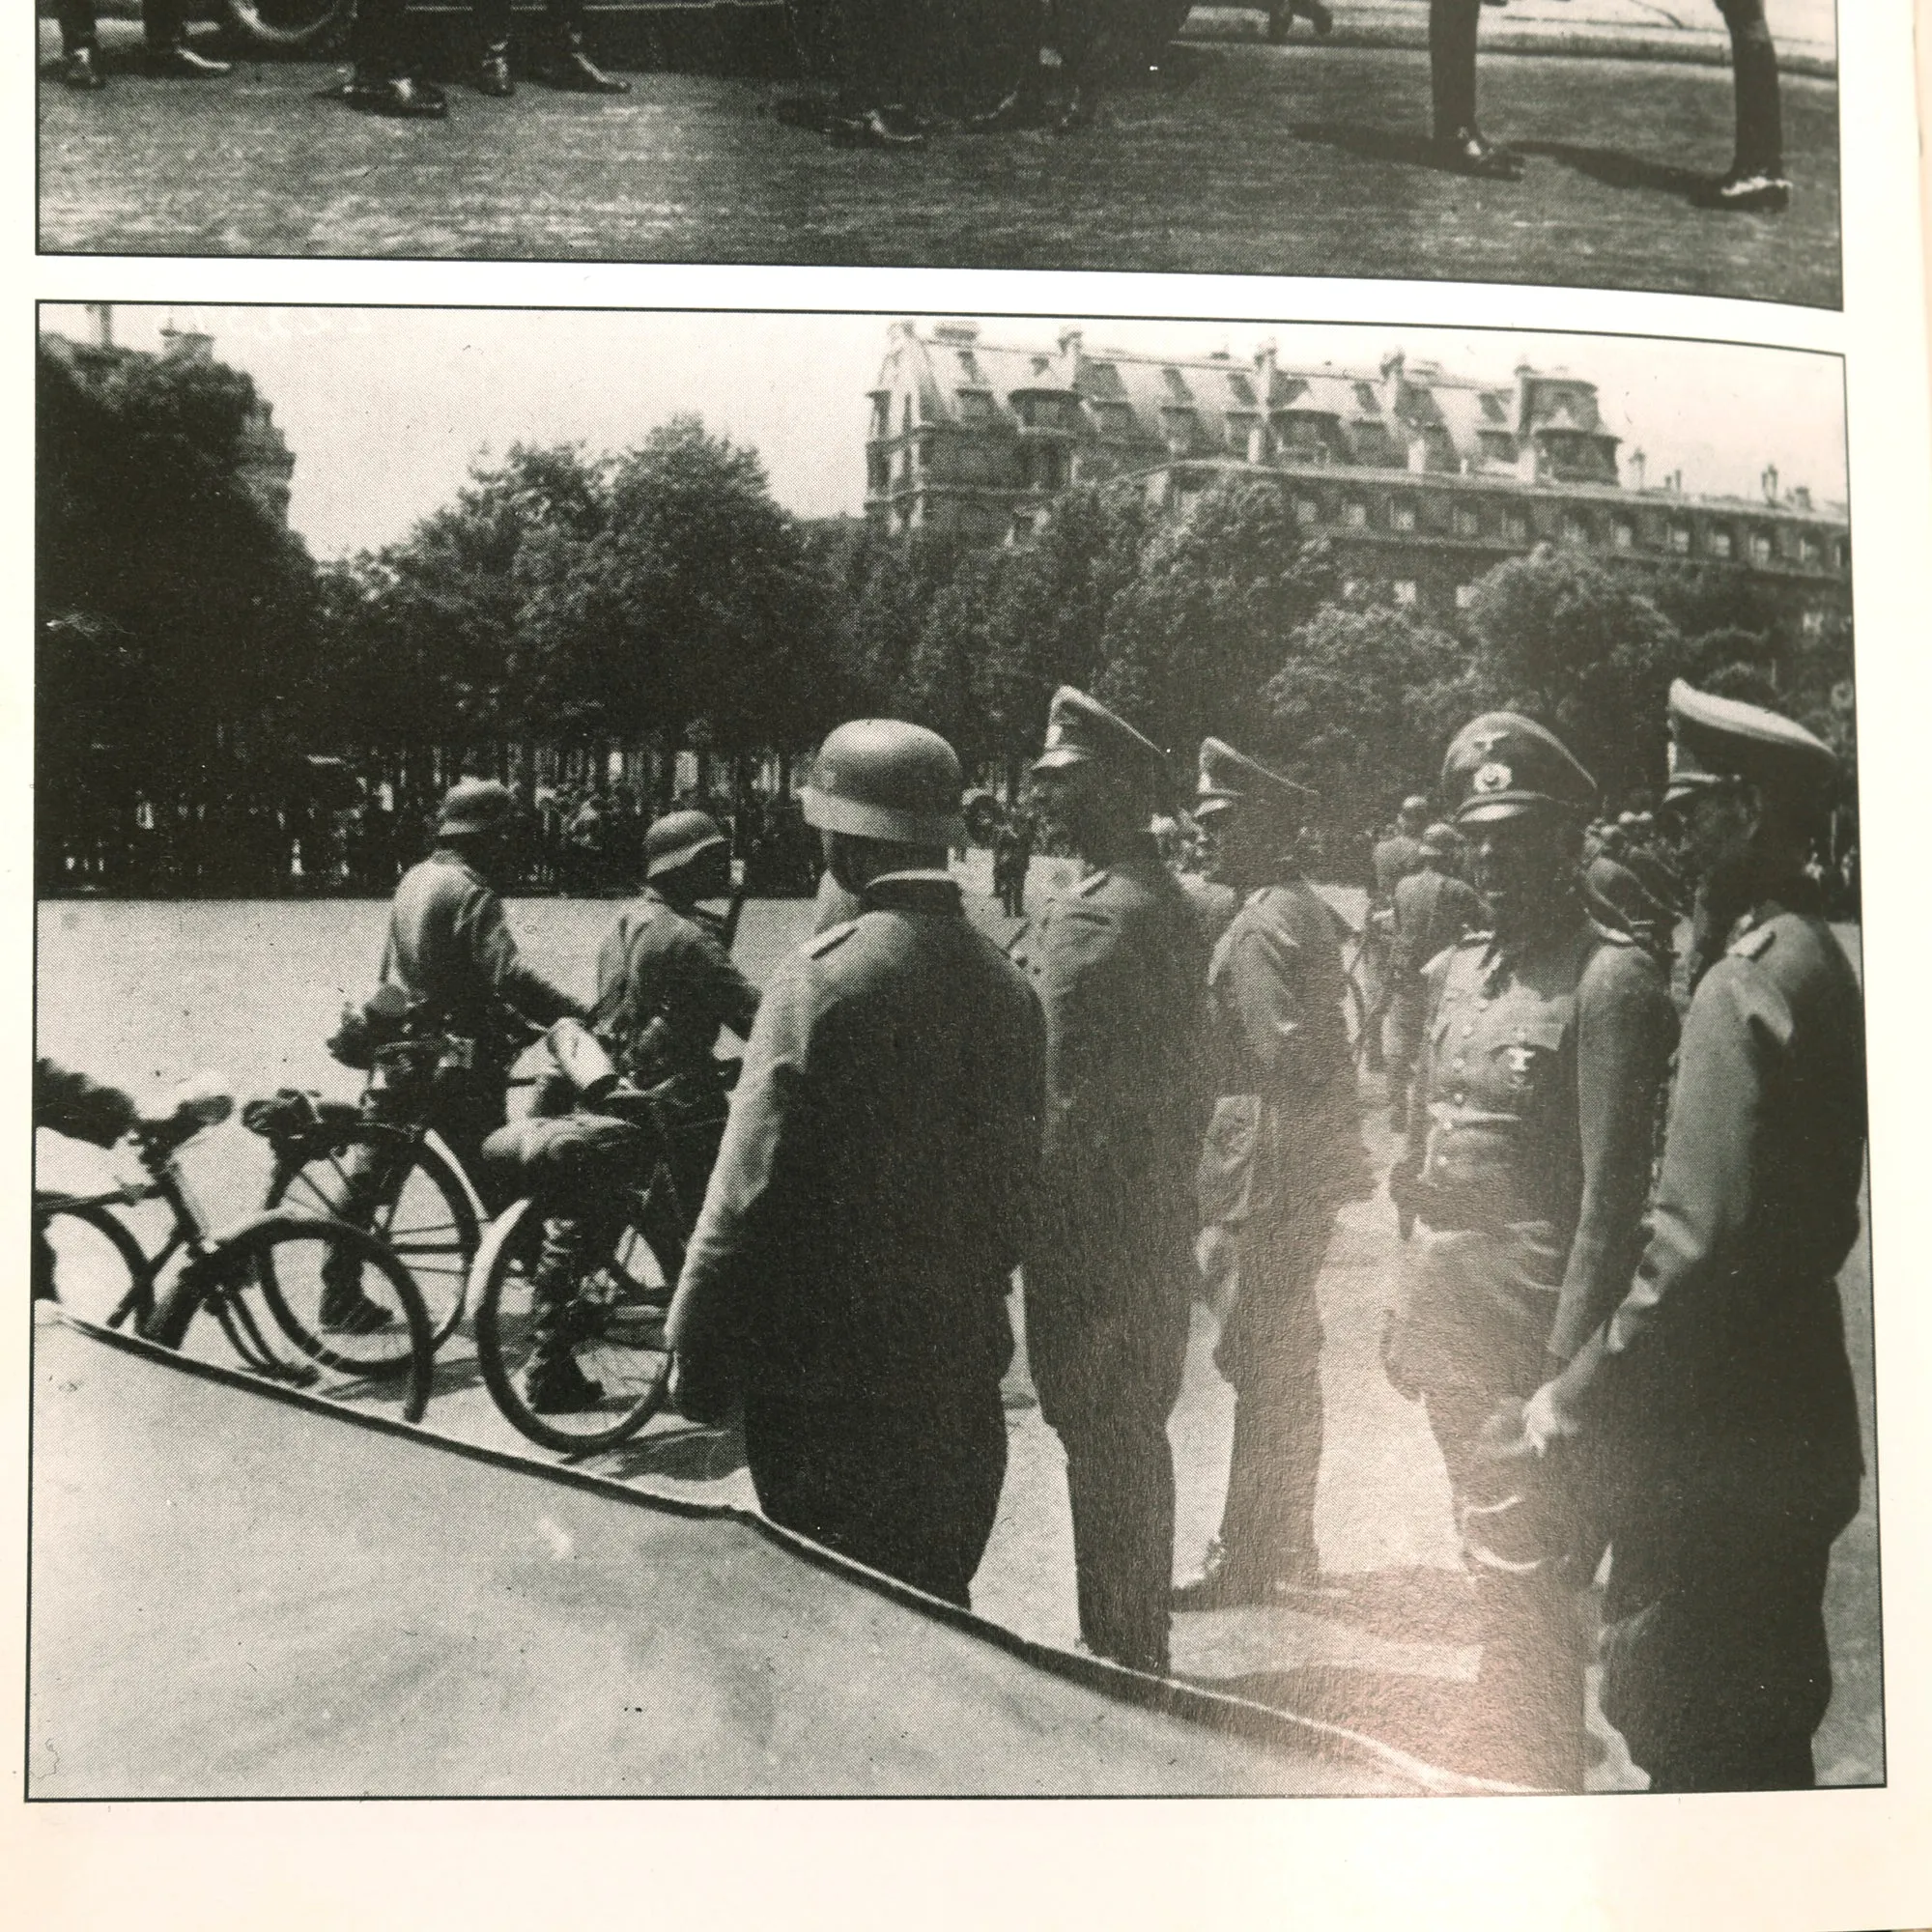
point(634, 1201)
point(273, 1260)
point(389, 1173)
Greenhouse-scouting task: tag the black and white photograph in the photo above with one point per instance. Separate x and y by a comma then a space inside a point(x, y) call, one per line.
point(831, 1053)
point(1679, 146)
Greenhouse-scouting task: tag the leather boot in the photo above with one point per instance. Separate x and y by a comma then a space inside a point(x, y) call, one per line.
point(178, 59)
point(493, 71)
point(81, 72)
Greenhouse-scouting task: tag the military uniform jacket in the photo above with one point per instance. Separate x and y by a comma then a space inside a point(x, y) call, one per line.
point(1395, 858)
point(1432, 910)
point(871, 1199)
point(664, 985)
point(450, 950)
point(1120, 968)
point(1722, 1376)
point(1286, 1124)
point(1534, 1115)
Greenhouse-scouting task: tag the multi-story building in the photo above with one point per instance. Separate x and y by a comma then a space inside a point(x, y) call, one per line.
point(1423, 479)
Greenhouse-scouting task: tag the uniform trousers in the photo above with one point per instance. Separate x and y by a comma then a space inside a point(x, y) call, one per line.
point(1269, 1352)
point(1760, 139)
point(1719, 1679)
point(162, 23)
point(1452, 63)
point(1409, 1014)
point(916, 1499)
point(1119, 1487)
point(381, 45)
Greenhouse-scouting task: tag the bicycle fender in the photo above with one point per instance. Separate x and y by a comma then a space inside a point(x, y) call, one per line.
point(495, 1234)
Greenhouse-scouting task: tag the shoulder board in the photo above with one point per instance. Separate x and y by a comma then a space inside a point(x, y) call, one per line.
point(1482, 937)
point(1610, 935)
point(1093, 883)
point(1754, 942)
point(820, 943)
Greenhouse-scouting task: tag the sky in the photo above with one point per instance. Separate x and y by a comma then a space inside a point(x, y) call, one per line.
point(386, 408)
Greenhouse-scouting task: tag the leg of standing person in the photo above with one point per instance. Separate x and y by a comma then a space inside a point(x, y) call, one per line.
point(80, 52)
point(382, 82)
point(1756, 181)
point(493, 78)
point(568, 65)
point(1119, 1487)
point(868, 39)
point(1452, 77)
point(165, 33)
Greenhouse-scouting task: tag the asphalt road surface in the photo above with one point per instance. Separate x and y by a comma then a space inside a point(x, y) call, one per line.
point(1298, 159)
point(144, 994)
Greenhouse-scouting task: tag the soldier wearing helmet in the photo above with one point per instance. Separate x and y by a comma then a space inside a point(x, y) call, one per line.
point(1393, 860)
point(1434, 907)
point(1283, 1151)
point(849, 1272)
point(1526, 1169)
point(451, 959)
point(1120, 967)
point(1710, 1413)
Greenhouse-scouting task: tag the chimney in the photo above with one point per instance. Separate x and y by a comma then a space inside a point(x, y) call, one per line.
point(1768, 482)
point(1264, 367)
point(100, 315)
point(1639, 463)
point(1071, 340)
point(186, 345)
point(1802, 496)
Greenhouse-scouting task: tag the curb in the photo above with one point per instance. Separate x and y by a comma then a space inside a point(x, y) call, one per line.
point(1385, 27)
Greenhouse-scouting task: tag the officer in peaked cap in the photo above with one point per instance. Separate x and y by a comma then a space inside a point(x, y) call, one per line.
point(1120, 967)
point(1434, 906)
point(1283, 1150)
point(850, 1268)
point(1530, 1131)
point(1711, 1414)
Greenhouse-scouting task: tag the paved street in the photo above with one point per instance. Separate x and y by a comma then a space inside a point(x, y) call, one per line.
point(1302, 158)
point(144, 993)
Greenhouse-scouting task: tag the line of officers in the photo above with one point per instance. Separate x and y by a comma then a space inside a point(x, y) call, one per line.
point(1622, 1323)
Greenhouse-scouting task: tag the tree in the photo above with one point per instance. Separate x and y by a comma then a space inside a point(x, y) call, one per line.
point(1564, 641)
point(1200, 629)
point(1363, 708)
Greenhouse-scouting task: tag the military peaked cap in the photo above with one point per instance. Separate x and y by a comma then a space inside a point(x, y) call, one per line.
point(1502, 764)
point(1713, 740)
point(1082, 732)
point(1229, 777)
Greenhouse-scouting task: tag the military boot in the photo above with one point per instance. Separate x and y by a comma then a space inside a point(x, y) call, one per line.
point(552, 1383)
point(493, 71)
point(573, 69)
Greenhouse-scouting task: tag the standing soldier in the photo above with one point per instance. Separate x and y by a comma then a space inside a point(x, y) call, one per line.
point(850, 1269)
point(383, 83)
point(452, 962)
point(1118, 966)
point(1434, 908)
point(1714, 1412)
point(1393, 860)
point(1285, 1151)
point(1531, 1128)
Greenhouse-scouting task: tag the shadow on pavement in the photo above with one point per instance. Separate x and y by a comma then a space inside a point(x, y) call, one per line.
point(691, 1455)
point(1374, 144)
point(1423, 1606)
point(1610, 169)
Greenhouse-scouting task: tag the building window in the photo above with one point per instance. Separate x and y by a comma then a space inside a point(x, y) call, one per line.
point(1355, 516)
point(1307, 510)
point(1468, 521)
point(882, 415)
point(1515, 527)
point(1808, 549)
point(976, 406)
point(1401, 514)
point(1023, 525)
point(1575, 530)
point(1813, 624)
point(905, 416)
point(1760, 548)
point(1466, 595)
point(878, 471)
point(1720, 543)
point(1405, 591)
point(1116, 419)
point(1840, 556)
point(1623, 534)
point(1680, 539)
point(1052, 468)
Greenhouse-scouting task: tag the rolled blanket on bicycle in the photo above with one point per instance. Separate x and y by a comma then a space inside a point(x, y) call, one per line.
point(567, 1164)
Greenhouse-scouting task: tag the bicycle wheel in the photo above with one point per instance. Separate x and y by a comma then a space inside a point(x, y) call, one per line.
point(420, 1209)
point(100, 1269)
point(611, 1327)
point(292, 1262)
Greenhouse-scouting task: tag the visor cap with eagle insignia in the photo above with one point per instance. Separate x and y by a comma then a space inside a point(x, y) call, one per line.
point(1230, 778)
point(1502, 764)
point(1716, 739)
point(1080, 731)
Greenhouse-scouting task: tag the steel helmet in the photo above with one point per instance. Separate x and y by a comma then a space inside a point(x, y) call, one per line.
point(677, 838)
point(474, 807)
point(881, 777)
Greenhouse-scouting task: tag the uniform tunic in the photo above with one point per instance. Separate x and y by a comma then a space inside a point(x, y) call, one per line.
point(1118, 966)
point(1432, 910)
point(1719, 1389)
point(1283, 1148)
point(851, 1264)
point(1528, 1162)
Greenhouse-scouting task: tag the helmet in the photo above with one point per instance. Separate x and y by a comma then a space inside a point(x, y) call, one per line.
point(881, 777)
point(1414, 810)
point(677, 838)
point(1501, 765)
point(474, 807)
point(1441, 841)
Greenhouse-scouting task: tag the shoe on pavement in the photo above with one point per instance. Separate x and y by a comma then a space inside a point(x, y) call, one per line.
point(1466, 152)
point(572, 70)
point(182, 62)
point(1220, 1584)
point(81, 72)
point(1749, 191)
point(1021, 109)
point(871, 130)
point(559, 1388)
point(401, 97)
point(492, 75)
point(349, 1312)
point(1321, 19)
